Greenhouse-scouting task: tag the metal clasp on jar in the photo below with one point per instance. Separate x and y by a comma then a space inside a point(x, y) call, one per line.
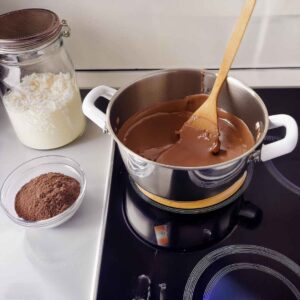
point(65, 29)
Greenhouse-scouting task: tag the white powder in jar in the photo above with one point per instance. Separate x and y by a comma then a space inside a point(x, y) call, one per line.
point(45, 110)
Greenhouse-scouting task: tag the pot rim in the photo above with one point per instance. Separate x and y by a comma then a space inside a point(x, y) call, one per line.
point(220, 165)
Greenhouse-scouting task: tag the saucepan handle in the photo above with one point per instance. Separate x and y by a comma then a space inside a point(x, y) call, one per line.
point(286, 144)
point(89, 108)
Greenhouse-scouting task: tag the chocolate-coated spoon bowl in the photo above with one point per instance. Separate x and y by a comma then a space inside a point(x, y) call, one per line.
point(179, 183)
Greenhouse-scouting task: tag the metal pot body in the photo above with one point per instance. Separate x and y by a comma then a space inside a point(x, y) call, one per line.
point(180, 183)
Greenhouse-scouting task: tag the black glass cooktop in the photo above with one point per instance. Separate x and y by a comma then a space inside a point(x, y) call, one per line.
point(258, 258)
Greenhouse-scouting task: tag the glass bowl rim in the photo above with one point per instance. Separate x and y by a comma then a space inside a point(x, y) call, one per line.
point(58, 219)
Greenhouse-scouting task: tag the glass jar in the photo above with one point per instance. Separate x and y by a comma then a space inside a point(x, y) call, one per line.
point(38, 84)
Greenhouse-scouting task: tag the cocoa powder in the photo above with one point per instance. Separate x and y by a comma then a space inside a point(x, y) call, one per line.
point(46, 196)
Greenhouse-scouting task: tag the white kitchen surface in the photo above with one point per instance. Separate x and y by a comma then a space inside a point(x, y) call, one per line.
point(58, 263)
point(256, 78)
point(118, 34)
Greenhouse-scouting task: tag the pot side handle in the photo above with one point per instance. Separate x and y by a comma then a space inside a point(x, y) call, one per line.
point(285, 145)
point(89, 108)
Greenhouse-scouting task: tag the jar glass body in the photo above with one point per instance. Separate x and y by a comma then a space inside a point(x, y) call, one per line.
point(41, 96)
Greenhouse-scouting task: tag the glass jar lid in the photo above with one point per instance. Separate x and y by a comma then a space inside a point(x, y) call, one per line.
point(27, 29)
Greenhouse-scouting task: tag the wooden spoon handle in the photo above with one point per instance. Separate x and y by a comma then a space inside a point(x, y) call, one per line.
point(233, 45)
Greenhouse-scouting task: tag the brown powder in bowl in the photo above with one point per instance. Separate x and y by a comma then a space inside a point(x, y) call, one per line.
point(46, 196)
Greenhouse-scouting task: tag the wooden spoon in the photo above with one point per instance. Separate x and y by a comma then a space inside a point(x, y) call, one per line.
point(205, 117)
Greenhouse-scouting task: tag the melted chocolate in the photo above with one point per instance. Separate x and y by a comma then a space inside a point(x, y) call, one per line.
point(157, 133)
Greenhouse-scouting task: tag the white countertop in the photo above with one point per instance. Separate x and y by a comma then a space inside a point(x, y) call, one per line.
point(62, 263)
point(56, 263)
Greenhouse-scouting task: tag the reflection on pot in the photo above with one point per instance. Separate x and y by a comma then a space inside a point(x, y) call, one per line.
point(209, 178)
point(138, 167)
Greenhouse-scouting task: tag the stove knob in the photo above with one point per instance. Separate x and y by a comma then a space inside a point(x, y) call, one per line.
point(207, 235)
point(162, 293)
point(143, 290)
point(249, 215)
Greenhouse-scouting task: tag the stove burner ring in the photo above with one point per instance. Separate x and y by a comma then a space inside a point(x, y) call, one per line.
point(213, 256)
point(197, 204)
point(242, 266)
point(283, 180)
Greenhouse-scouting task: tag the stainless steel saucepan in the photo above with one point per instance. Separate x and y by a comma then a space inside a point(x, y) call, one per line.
point(189, 183)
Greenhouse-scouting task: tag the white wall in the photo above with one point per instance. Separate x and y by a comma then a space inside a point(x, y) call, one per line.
point(117, 34)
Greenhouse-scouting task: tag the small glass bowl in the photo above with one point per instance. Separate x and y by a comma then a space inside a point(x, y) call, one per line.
point(31, 169)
